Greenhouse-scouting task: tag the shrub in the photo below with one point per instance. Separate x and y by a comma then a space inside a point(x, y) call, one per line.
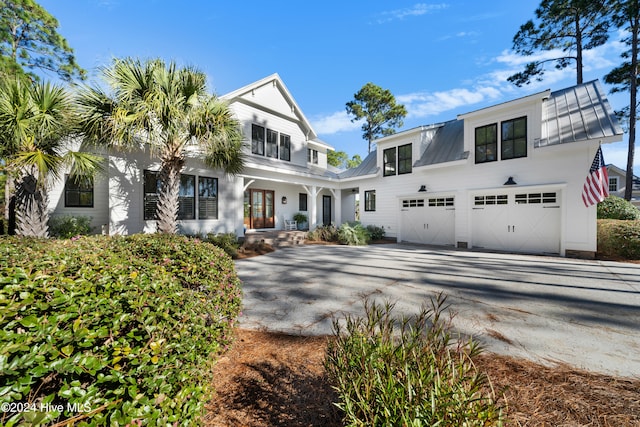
point(300, 218)
point(375, 232)
point(614, 207)
point(325, 233)
point(228, 242)
point(407, 371)
point(353, 234)
point(125, 328)
point(619, 239)
point(67, 226)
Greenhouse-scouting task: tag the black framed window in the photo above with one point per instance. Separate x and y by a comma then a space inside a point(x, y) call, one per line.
point(187, 197)
point(272, 143)
point(257, 140)
point(152, 185)
point(389, 161)
point(513, 138)
point(302, 201)
point(207, 198)
point(370, 200)
point(285, 147)
point(78, 192)
point(486, 143)
point(404, 159)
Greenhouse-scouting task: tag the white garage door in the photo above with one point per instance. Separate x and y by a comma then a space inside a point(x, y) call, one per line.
point(519, 222)
point(429, 221)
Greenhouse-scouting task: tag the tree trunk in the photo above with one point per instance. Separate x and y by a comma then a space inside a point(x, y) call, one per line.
point(578, 50)
point(167, 209)
point(32, 215)
point(635, 28)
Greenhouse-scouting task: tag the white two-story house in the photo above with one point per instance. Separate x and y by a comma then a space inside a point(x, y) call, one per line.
point(507, 177)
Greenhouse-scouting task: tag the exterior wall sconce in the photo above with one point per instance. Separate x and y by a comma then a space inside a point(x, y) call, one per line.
point(284, 200)
point(510, 181)
point(423, 189)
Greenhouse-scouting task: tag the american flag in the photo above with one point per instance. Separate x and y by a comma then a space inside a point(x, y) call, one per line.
point(596, 186)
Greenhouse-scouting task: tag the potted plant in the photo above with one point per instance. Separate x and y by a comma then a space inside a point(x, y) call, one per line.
point(301, 220)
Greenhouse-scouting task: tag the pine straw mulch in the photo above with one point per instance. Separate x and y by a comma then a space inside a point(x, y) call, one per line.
point(273, 379)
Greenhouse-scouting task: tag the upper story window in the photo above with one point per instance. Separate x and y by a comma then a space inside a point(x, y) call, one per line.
point(397, 160)
point(285, 147)
point(78, 192)
point(514, 138)
point(486, 143)
point(613, 183)
point(270, 143)
point(404, 159)
point(312, 156)
point(513, 141)
point(257, 140)
point(389, 161)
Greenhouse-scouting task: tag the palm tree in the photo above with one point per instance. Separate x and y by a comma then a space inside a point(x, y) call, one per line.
point(166, 109)
point(36, 120)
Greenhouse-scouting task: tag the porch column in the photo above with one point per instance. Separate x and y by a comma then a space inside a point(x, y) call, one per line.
point(337, 196)
point(313, 209)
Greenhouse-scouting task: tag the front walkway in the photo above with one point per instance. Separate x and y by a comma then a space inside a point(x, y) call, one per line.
point(584, 313)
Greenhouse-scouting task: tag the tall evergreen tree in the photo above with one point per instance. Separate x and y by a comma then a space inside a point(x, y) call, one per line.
point(29, 40)
point(379, 110)
point(570, 26)
point(626, 15)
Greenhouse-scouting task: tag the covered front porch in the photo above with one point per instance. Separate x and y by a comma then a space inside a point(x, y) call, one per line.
point(268, 203)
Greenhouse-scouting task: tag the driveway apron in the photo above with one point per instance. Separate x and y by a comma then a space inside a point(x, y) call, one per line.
point(547, 309)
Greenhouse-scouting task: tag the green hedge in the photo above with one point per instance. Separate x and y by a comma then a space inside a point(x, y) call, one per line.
point(619, 239)
point(112, 330)
point(614, 207)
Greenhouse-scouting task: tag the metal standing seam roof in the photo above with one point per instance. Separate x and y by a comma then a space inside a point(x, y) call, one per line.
point(368, 166)
point(258, 161)
point(447, 145)
point(577, 113)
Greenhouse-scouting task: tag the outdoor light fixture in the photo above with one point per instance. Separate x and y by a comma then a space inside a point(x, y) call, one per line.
point(284, 200)
point(423, 189)
point(510, 181)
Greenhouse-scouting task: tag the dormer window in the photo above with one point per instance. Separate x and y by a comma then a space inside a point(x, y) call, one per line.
point(514, 139)
point(397, 160)
point(312, 156)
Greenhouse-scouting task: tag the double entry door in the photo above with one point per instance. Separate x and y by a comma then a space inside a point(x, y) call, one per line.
point(259, 211)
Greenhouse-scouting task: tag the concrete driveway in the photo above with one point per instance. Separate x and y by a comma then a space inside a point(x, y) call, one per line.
point(583, 313)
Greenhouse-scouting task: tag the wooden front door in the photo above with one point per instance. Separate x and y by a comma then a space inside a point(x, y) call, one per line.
point(259, 209)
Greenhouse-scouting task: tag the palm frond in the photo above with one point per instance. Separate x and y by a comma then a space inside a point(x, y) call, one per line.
point(46, 164)
point(84, 164)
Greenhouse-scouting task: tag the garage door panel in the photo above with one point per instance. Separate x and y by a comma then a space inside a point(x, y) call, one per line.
point(521, 222)
point(428, 221)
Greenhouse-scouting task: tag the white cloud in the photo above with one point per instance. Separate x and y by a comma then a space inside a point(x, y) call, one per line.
point(425, 104)
point(336, 122)
point(417, 9)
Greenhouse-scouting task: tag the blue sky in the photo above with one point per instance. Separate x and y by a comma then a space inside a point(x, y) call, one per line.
point(439, 59)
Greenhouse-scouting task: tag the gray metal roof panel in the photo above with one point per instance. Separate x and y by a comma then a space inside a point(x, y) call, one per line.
point(577, 113)
point(447, 145)
point(367, 167)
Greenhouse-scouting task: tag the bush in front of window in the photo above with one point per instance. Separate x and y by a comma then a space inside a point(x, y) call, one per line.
point(614, 207)
point(67, 226)
point(113, 330)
